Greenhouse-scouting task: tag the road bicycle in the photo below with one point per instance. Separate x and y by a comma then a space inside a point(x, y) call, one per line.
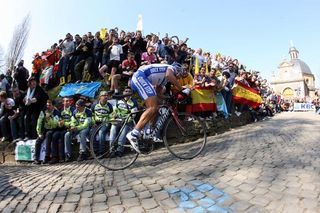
point(183, 134)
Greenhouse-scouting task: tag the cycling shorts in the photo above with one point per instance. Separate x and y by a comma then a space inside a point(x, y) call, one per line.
point(141, 84)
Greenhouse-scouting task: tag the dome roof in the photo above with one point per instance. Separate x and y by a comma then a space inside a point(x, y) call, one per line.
point(301, 65)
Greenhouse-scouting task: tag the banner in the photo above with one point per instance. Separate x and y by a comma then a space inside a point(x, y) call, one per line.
point(85, 89)
point(221, 105)
point(304, 107)
point(243, 94)
point(25, 150)
point(202, 100)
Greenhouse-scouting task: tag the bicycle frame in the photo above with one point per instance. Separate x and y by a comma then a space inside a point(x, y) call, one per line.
point(172, 110)
point(174, 114)
point(124, 123)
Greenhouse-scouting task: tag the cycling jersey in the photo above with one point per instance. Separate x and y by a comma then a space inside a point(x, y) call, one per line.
point(66, 115)
point(102, 112)
point(144, 80)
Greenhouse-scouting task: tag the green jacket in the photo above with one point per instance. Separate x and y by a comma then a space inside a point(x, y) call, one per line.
point(81, 120)
point(123, 108)
point(47, 124)
point(66, 116)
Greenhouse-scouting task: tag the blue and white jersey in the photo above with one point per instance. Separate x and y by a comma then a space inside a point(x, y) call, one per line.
point(156, 73)
point(147, 77)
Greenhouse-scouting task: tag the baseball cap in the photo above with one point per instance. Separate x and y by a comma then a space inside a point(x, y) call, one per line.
point(80, 102)
point(103, 93)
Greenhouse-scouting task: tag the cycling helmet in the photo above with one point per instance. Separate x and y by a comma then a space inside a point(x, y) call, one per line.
point(178, 68)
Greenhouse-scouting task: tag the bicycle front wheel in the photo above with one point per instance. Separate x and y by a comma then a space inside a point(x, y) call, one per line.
point(185, 136)
point(111, 154)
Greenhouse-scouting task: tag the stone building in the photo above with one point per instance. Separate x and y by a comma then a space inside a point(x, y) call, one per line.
point(294, 78)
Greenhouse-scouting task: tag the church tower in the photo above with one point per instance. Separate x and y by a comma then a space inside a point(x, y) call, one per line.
point(293, 53)
point(294, 78)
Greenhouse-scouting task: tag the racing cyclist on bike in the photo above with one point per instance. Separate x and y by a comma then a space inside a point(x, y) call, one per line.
point(149, 81)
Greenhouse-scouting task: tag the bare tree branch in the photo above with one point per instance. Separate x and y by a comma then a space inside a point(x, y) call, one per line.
point(18, 43)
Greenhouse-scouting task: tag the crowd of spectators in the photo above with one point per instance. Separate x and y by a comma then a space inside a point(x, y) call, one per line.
point(27, 112)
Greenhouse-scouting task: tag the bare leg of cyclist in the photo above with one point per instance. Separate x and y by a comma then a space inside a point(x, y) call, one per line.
point(148, 115)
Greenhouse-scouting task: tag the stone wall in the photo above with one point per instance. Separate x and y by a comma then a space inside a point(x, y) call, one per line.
point(215, 126)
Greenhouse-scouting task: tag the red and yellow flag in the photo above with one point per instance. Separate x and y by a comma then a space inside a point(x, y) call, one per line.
point(202, 100)
point(243, 94)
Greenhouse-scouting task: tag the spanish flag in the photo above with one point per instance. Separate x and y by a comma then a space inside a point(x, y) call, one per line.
point(243, 94)
point(202, 100)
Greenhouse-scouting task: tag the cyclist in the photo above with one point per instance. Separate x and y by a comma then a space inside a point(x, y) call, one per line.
point(148, 82)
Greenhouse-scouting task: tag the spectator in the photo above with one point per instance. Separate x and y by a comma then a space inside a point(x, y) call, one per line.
point(106, 56)
point(35, 101)
point(154, 43)
point(186, 80)
point(64, 125)
point(226, 90)
point(122, 109)
point(148, 57)
point(84, 51)
point(21, 75)
point(243, 77)
point(212, 80)
point(6, 110)
point(17, 119)
point(67, 47)
point(101, 113)
point(198, 56)
point(97, 53)
point(9, 77)
point(138, 46)
point(201, 78)
point(128, 66)
point(79, 126)
point(114, 61)
point(169, 56)
point(126, 46)
point(182, 53)
point(47, 123)
point(4, 84)
point(37, 67)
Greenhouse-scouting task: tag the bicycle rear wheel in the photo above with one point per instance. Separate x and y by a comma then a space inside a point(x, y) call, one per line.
point(186, 136)
point(108, 153)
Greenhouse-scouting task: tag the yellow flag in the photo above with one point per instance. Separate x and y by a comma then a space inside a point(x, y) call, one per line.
point(103, 33)
point(196, 69)
point(207, 68)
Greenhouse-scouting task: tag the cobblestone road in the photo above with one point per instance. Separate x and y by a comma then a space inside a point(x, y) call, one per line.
point(269, 166)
